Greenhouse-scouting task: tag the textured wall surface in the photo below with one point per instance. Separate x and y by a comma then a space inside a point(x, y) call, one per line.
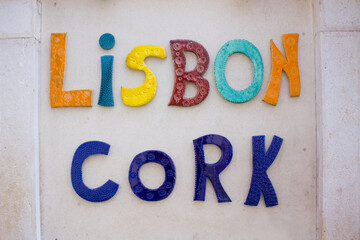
point(171, 129)
point(338, 109)
point(18, 119)
point(337, 41)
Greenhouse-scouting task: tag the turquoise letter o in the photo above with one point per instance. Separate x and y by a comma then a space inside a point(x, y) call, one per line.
point(247, 48)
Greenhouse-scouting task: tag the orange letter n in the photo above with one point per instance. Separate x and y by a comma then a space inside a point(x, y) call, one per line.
point(58, 97)
point(290, 66)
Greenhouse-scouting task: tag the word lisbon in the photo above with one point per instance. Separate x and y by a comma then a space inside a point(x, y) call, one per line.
point(143, 94)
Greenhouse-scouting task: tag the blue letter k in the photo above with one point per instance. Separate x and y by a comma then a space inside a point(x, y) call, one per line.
point(260, 181)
